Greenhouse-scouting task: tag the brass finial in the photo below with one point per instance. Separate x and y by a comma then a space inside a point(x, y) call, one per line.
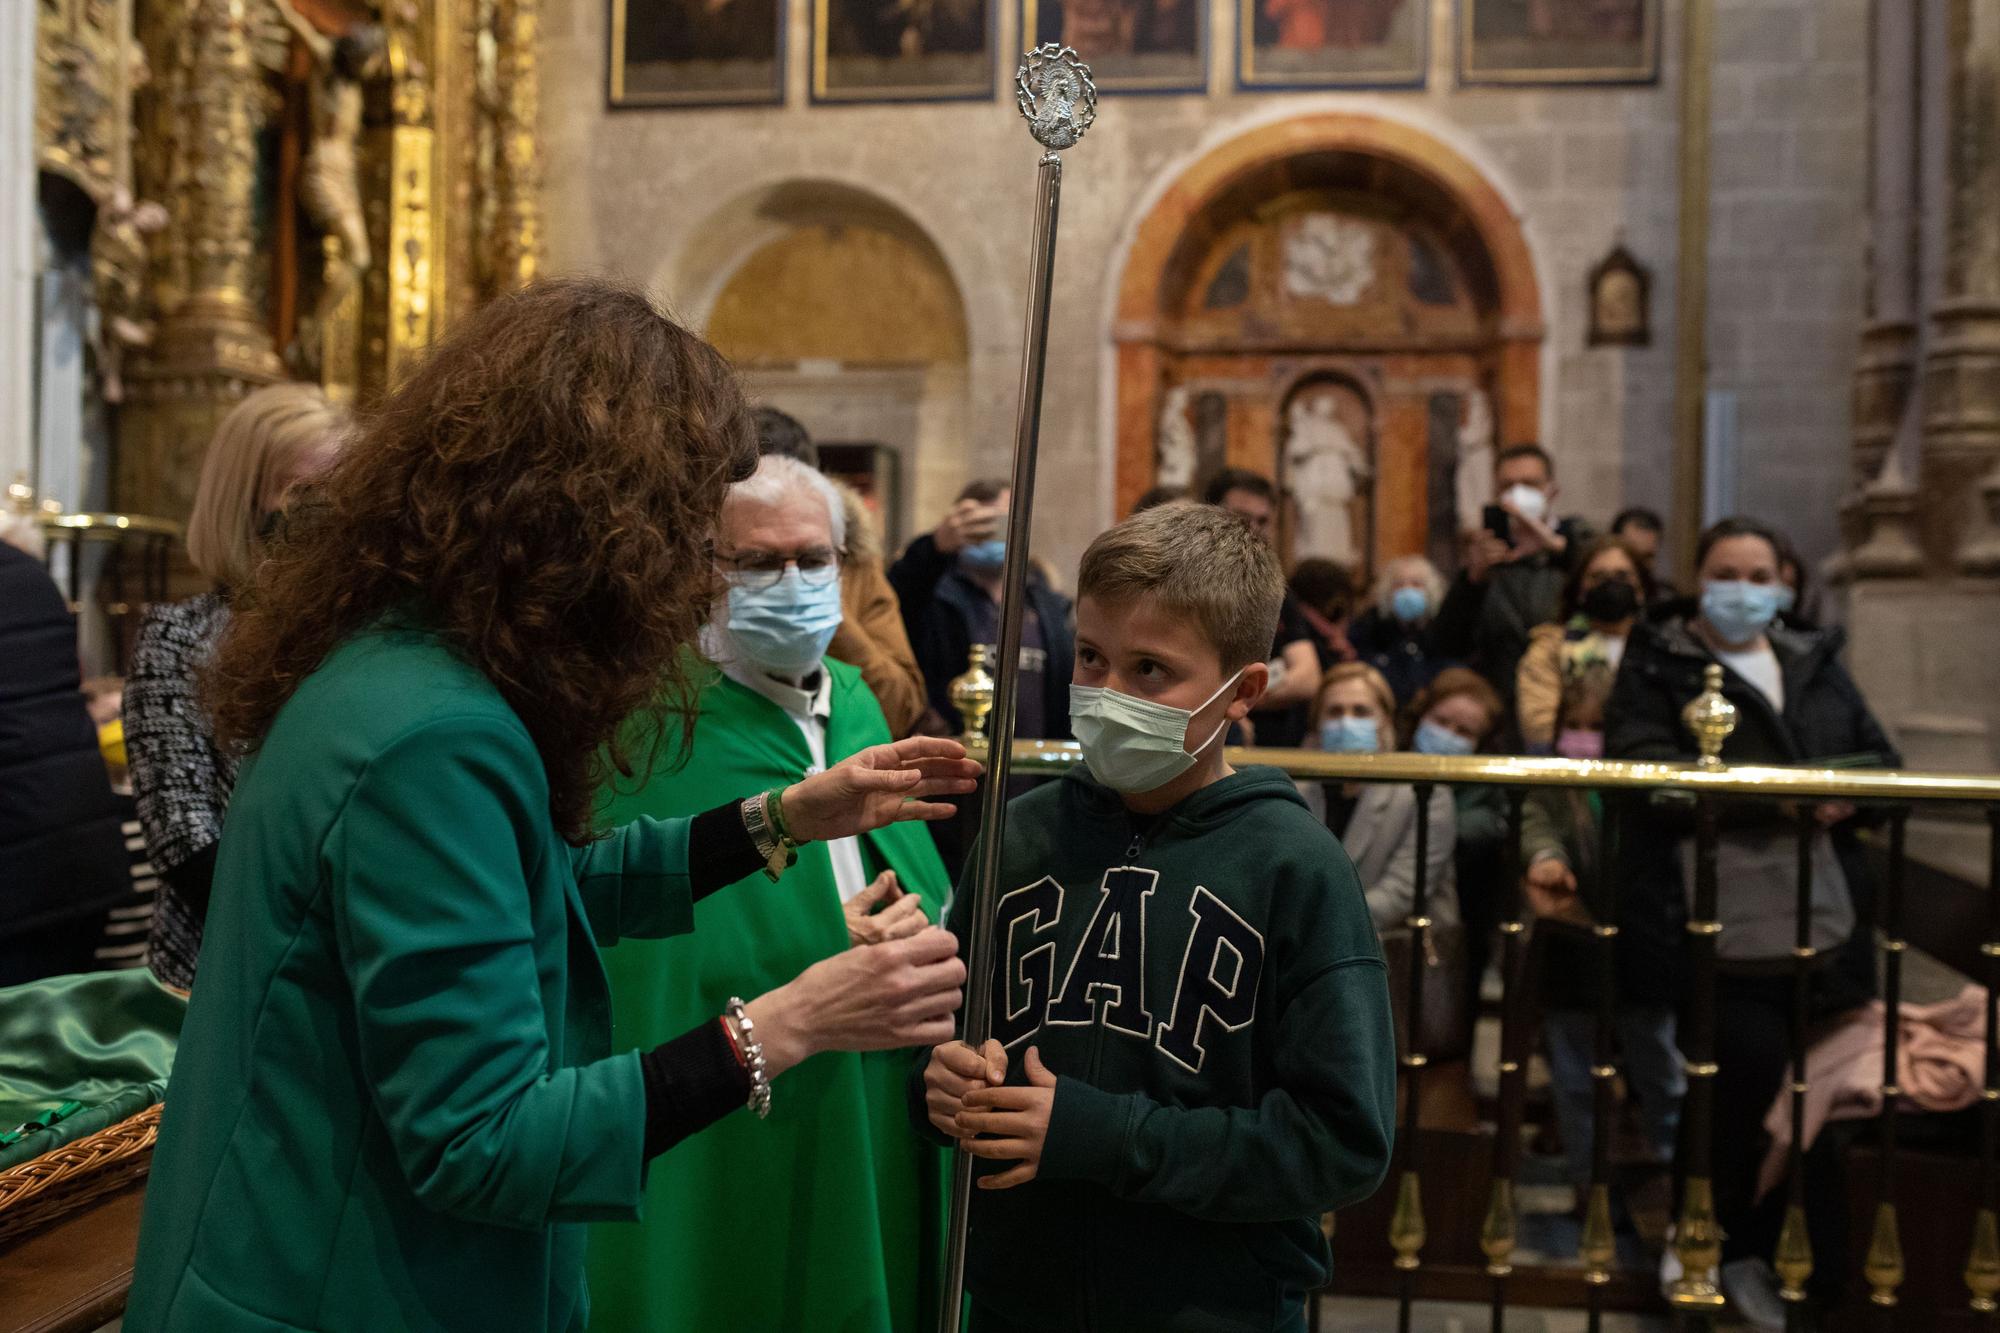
point(972, 696)
point(1793, 1259)
point(1982, 1268)
point(1406, 1227)
point(1698, 1243)
point(1884, 1265)
point(1711, 717)
point(1496, 1234)
point(20, 495)
point(1599, 1245)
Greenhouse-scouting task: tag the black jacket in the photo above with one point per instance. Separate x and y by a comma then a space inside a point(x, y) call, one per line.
point(938, 609)
point(1825, 717)
point(1486, 625)
point(62, 856)
point(1407, 658)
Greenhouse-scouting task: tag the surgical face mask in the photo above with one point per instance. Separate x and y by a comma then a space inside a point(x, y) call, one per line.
point(1528, 501)
point(1434, 739)
point(785, 627)
point(1349, 735)
point(987, 557)
point(1577, 743)
point(1787, 599)
point(1409, 604)
point(1739, 611)
point(1136, 745)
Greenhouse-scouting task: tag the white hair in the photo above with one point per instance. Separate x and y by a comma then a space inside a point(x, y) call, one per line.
point(1401, 568)
point(778, 478)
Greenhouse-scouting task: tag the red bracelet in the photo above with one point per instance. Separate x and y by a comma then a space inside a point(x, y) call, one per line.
point(735, 1046)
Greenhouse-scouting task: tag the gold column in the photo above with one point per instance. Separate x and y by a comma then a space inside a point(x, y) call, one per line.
point(401, 294)
point(1691, 281)
point(212, 347)
point(517, 221)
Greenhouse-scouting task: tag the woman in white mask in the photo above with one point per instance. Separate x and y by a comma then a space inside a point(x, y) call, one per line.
point(1354, 713)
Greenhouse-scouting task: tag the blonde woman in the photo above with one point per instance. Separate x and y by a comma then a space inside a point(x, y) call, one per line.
point(273, 440)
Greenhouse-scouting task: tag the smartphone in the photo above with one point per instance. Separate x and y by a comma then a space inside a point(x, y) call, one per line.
point(1499, 522)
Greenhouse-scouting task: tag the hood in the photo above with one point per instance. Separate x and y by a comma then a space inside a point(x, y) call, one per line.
point(1212, 805)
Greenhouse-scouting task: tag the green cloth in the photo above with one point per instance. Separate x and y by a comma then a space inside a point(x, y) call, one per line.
point(828, 1215)
point(105, 1039)
point(394, 1102)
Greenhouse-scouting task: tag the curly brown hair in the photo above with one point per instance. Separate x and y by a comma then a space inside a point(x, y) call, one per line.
point(541, 491)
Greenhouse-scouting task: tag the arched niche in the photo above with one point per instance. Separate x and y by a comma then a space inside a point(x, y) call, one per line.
point(1331, 248)
point(837, 306)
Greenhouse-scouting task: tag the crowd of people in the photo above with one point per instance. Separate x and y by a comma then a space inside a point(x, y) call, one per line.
point(445, 645)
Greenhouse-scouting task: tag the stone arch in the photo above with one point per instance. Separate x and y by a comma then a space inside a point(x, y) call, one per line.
point(1394, 164)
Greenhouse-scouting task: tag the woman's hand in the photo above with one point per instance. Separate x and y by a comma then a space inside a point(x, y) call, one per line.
point(1013, 1124)
point(877, 997)
point(902, 914)
point(954, 1070)
point(1551, 888)
point(880, 785)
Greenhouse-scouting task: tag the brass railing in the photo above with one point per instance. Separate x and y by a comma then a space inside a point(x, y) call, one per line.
point(1698, 1239)
point(136, 570)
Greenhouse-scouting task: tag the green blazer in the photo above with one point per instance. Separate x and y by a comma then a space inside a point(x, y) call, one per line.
point(395, 1101)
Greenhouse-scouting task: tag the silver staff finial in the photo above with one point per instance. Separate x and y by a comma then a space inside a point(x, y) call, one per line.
point(1055, 92)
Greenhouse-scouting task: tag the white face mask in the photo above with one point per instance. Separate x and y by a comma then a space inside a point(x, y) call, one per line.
point(1528, 500)
point(1136, 745)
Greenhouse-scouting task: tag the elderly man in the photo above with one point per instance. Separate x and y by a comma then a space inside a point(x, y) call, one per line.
point(827, 1214)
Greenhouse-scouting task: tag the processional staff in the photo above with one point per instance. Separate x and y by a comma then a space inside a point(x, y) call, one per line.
point(1055, 92)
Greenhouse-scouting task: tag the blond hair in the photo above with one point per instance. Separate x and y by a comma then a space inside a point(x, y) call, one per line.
point(1378, 688)
point(262, 435)
point(1200, 563)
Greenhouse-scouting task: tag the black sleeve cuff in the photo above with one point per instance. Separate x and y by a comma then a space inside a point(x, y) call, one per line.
point(720, 850)
point(691, 1082)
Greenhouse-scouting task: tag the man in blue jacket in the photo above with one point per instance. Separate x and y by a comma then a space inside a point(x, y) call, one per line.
point(1192, 1056)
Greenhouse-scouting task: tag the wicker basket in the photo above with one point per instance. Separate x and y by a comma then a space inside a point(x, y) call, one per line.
point(67, 1179)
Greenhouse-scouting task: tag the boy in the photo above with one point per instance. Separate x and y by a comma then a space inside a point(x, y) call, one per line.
point(1192, 1056)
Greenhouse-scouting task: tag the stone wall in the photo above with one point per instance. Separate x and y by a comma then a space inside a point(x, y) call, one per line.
point(647, 192)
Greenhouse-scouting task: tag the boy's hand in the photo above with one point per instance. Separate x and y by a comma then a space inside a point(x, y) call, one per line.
point(1017, 1121)
point(956, 1069)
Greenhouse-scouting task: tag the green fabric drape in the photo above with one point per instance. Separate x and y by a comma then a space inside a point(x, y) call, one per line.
point(105, 1039)
point(828, 1215)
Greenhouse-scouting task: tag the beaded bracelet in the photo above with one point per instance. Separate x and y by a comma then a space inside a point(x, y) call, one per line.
point(753, 1058)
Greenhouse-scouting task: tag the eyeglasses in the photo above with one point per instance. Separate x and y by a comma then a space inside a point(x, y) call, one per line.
point(758, 570)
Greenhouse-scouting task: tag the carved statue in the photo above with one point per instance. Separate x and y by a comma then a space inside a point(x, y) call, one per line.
point(330, 184)
point(1322, 465)
point(1329, 258)
point(1176, 446)
point(118, 280)
point(1473, 481)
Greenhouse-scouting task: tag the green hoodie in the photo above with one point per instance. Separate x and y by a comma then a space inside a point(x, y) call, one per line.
point(1209, 991)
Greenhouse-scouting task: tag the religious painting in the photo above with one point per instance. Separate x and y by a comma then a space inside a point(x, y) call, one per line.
point(697, 52)
point(1131, 46)
point(1332, 43)
point(902, 50)
point(1619, 292)
point(1326, 466)
point(1558, 41)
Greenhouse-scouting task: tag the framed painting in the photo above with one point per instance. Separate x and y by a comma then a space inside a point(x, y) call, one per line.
point(902, 51)
point(697, 52)
point(1558, 41)
point(1131, 46)
point(1293, 44)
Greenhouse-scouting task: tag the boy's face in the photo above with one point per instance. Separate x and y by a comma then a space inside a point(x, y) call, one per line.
point(1135, 648)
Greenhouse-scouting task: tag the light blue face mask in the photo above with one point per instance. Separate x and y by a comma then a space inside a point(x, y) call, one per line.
point(1349, 735)
point(1409, 604)
point(1434, 739)
point(987, 557)
point(785, 627)
point(1739, 611)
point(1787, 599)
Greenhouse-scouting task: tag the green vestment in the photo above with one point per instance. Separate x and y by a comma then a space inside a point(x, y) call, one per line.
point(828, 1216)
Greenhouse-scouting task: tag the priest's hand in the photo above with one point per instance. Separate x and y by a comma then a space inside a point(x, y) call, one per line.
point(878, 997)
point(901, 914)
point(1012, 1124)
point(880, 785)
point(954, 1070)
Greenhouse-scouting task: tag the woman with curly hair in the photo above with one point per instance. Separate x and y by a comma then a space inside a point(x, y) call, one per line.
point(394, 1101)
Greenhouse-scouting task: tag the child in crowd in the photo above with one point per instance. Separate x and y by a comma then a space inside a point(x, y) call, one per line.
point(1562, 841)
point(1192, 1057)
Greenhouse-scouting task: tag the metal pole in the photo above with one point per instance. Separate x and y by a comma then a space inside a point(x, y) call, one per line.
point(1055, 93)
